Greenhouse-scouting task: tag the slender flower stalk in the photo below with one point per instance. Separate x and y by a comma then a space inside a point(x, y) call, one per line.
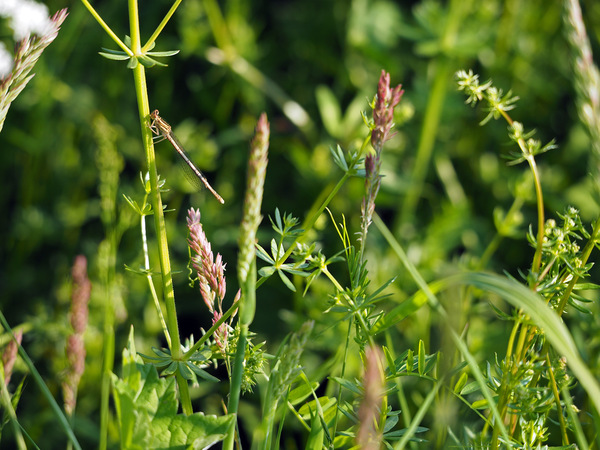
point(383, 121)
point(80, 297)
point(257, 170)
point(27, 52)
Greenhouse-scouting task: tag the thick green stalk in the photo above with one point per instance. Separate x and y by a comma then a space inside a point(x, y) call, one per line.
point(139, 76)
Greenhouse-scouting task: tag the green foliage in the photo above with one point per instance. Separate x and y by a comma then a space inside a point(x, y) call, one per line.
point(483, 300)
point(147, 410)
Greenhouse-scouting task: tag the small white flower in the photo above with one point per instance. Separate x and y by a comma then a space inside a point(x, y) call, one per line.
point(27, 17)
point(7, 7)
point(6, 61)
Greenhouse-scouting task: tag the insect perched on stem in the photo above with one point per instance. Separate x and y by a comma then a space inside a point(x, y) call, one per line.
point(163, 131)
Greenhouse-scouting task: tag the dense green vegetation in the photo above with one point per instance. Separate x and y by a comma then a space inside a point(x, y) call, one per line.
point(473, 290)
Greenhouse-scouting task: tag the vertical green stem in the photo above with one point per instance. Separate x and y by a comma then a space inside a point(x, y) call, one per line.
point(10, 412)
point(537, 259)
point(139, 76)
point(247, 310)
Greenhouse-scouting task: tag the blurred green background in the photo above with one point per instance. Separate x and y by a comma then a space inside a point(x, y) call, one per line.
point(76, 125)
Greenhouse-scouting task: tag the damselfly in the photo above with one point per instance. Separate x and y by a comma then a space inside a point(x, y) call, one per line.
point(163, 129)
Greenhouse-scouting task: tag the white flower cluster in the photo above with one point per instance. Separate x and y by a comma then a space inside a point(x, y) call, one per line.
point(25, 17)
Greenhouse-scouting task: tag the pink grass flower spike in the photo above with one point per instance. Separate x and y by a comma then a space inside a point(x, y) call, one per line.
point(210, 272)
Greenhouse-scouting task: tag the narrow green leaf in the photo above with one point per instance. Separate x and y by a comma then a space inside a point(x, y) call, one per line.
point(390, 360)
point(262, 254)
point(348, 385)
point(266, 272)
point(421, 357)
point(163, 54)
point(409, 362)
point(115, 57)
point(286, 281)
point(203, 373)
point(461, 383)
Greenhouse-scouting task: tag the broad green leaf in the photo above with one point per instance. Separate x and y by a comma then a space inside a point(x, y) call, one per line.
point(147, 413)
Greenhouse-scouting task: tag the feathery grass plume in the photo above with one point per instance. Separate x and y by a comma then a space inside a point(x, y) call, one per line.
point(368, 437)
point(587, 81)
point(80, 297)
point(383, 120)
point(211, 275)
point(9, 355)
point(27, 52)
point(257, 170)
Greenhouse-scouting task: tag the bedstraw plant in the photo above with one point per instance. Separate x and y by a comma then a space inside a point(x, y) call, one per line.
point(346, 376)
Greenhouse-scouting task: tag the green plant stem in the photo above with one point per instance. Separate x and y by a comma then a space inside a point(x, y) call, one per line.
point(210, 331)
point(247, 309)
point(342, 374)
point(559, 410)
point(139, 76)
point(400, 394)
point(236, 383)
point(161, 26)
point(106, 28)
point(12, 416)
point(161, 233)
point(310, 221)
point(537, 258)
point(539, 198)
point(157, 305)
point(502, 394)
